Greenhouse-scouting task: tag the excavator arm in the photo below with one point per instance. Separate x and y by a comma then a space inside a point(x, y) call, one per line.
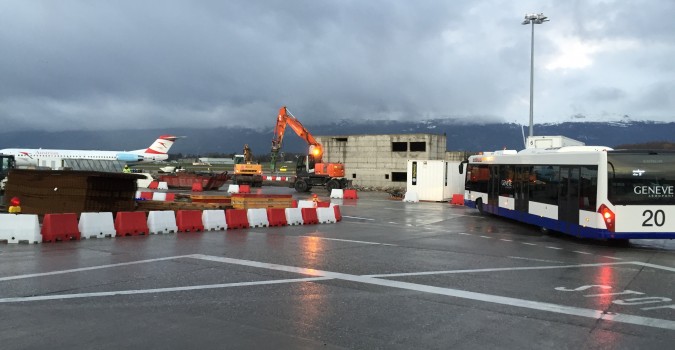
point(285, 118)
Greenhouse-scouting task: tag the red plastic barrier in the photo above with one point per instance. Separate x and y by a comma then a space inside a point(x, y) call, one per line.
point(236, 218)
point(189, 220)
point(170, 197)
point(350, 194)
point(197, 187)
point(146, 195)
point(294, 204)
point(309, 216)
point(323, 204)
point(338, 214)
point(153, 185)
point(244, 188)
point(131, 223)
point(60, 227)
point(457, 199)
point(276, 216)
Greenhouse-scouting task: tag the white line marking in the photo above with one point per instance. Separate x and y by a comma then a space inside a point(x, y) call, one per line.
point(486, 237)
point(493, 270)
point(506, 240)
point(580, 252)
point(556, 248)
point(671, 269)
point(495, 299)
point(90, 268)
point(542, 306)
point(349, 240)
point(611, 257)
point(356, 217)
point(527, 243)
point(464, 233)
point(157, 290)
point(533, 259)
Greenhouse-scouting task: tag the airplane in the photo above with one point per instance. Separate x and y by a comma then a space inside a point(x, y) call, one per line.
point(53, 158)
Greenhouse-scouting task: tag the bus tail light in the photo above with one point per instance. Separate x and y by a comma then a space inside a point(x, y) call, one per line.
point(608, 216)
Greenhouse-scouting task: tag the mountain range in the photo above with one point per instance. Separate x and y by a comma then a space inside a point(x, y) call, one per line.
point(460, 136)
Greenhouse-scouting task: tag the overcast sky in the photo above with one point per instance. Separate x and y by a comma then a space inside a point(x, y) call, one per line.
point(115, 64)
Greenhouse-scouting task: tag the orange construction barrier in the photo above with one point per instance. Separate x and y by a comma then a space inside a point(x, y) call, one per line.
point(146, 195)
point(170, 197)
point(309, 216)
point(197, 187)
point(236, 218)
point(189, 220)
point(323, 204)
point(350, 194)
point(276, 216)
point(457, 199)
point(131, 223)
point(294, 204)
point(60, 227)
point(153, 185)
point(244, 188)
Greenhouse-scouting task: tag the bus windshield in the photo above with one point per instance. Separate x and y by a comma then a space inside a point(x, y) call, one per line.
point(641, 178)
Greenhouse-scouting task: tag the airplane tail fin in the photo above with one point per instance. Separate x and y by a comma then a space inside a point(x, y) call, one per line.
point(161, 145)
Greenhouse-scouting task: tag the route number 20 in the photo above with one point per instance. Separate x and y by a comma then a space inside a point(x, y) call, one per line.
point(657, 217)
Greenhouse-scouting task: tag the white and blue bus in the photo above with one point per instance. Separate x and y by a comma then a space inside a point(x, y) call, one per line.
point(584, 191)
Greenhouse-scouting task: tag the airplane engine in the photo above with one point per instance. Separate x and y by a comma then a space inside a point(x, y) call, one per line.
point(129, 157)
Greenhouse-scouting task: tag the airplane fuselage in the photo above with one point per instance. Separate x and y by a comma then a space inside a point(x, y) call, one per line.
point(54, 158)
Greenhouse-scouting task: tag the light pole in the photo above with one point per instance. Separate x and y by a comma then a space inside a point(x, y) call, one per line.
point(533, 18)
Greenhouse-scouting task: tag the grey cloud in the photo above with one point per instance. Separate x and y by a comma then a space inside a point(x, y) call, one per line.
point(111, 64)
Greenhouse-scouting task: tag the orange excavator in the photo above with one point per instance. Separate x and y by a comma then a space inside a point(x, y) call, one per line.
point(310, 170)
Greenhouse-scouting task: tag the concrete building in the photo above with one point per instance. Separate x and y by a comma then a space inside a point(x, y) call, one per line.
point(381, 160)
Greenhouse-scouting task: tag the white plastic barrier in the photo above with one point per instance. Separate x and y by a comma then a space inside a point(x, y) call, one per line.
point(138, 194)
point(15, 228)
point(306, 204)
point(294, 216)
point(214, 220)
point(326, 215)
point(159, 196)
point(93, 225)
point(162, 185)
point(162, 222)
point(337, 193)
point(233, 189)
point(411, 196)
point(257, 217)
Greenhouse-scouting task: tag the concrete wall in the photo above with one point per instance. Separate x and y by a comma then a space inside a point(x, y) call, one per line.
point(370, 161)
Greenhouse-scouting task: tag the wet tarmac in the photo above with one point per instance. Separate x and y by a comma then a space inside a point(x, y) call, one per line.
point(391, 275)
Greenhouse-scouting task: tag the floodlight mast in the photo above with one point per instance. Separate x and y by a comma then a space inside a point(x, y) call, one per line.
point(533, 18)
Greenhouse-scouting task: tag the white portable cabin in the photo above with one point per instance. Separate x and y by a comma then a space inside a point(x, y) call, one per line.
point(434, 180)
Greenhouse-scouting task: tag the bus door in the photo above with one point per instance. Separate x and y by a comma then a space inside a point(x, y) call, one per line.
point(521, 188)
point(568, 194)
point(493, 186)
